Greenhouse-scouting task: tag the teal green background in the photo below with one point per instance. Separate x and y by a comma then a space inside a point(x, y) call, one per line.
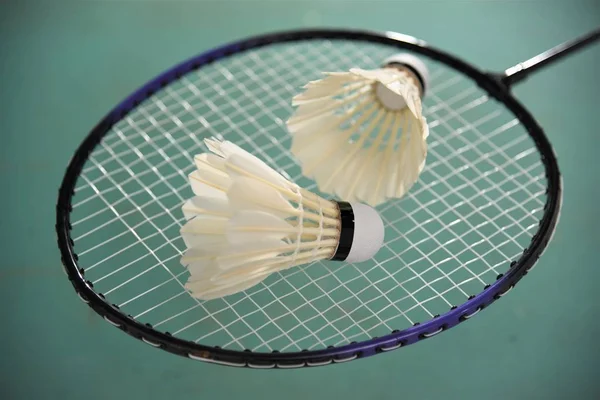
point(64, 64)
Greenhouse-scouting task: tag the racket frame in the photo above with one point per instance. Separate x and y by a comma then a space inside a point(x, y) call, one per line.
point(496, 85)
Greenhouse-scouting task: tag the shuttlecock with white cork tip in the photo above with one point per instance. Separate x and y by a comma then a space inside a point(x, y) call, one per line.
point(361, 134)
point(246, 221)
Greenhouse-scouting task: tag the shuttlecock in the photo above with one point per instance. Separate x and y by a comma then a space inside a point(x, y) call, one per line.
point(246, 221)
point(361, 134)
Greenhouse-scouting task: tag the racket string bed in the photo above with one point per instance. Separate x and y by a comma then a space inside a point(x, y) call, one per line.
point(425, 290)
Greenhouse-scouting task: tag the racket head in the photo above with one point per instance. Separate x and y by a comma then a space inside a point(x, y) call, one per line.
point(114, 245)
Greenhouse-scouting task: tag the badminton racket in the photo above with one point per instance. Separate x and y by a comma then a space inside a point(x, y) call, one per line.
point(482, 213)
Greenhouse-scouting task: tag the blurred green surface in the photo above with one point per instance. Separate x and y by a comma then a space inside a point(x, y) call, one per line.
point(64, 64)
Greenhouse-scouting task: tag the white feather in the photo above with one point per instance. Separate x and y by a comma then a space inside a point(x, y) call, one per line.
point(208, 171)
point(203, 270)
point(246, 193)
point(310, 147)
point(205, 290)
point(192, 207)
point(314, 92)
point(210, 159)
point(248, 225)
point(252, 166)
point(247, 272)
point(205, 231)
point(267, 267)
point(247, 253)
point(198, 255)
point(204, 186)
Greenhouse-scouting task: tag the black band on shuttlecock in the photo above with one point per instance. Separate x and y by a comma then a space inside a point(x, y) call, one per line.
point(346, 231)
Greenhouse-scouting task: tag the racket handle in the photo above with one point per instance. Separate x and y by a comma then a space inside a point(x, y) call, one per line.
point(520, 71)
